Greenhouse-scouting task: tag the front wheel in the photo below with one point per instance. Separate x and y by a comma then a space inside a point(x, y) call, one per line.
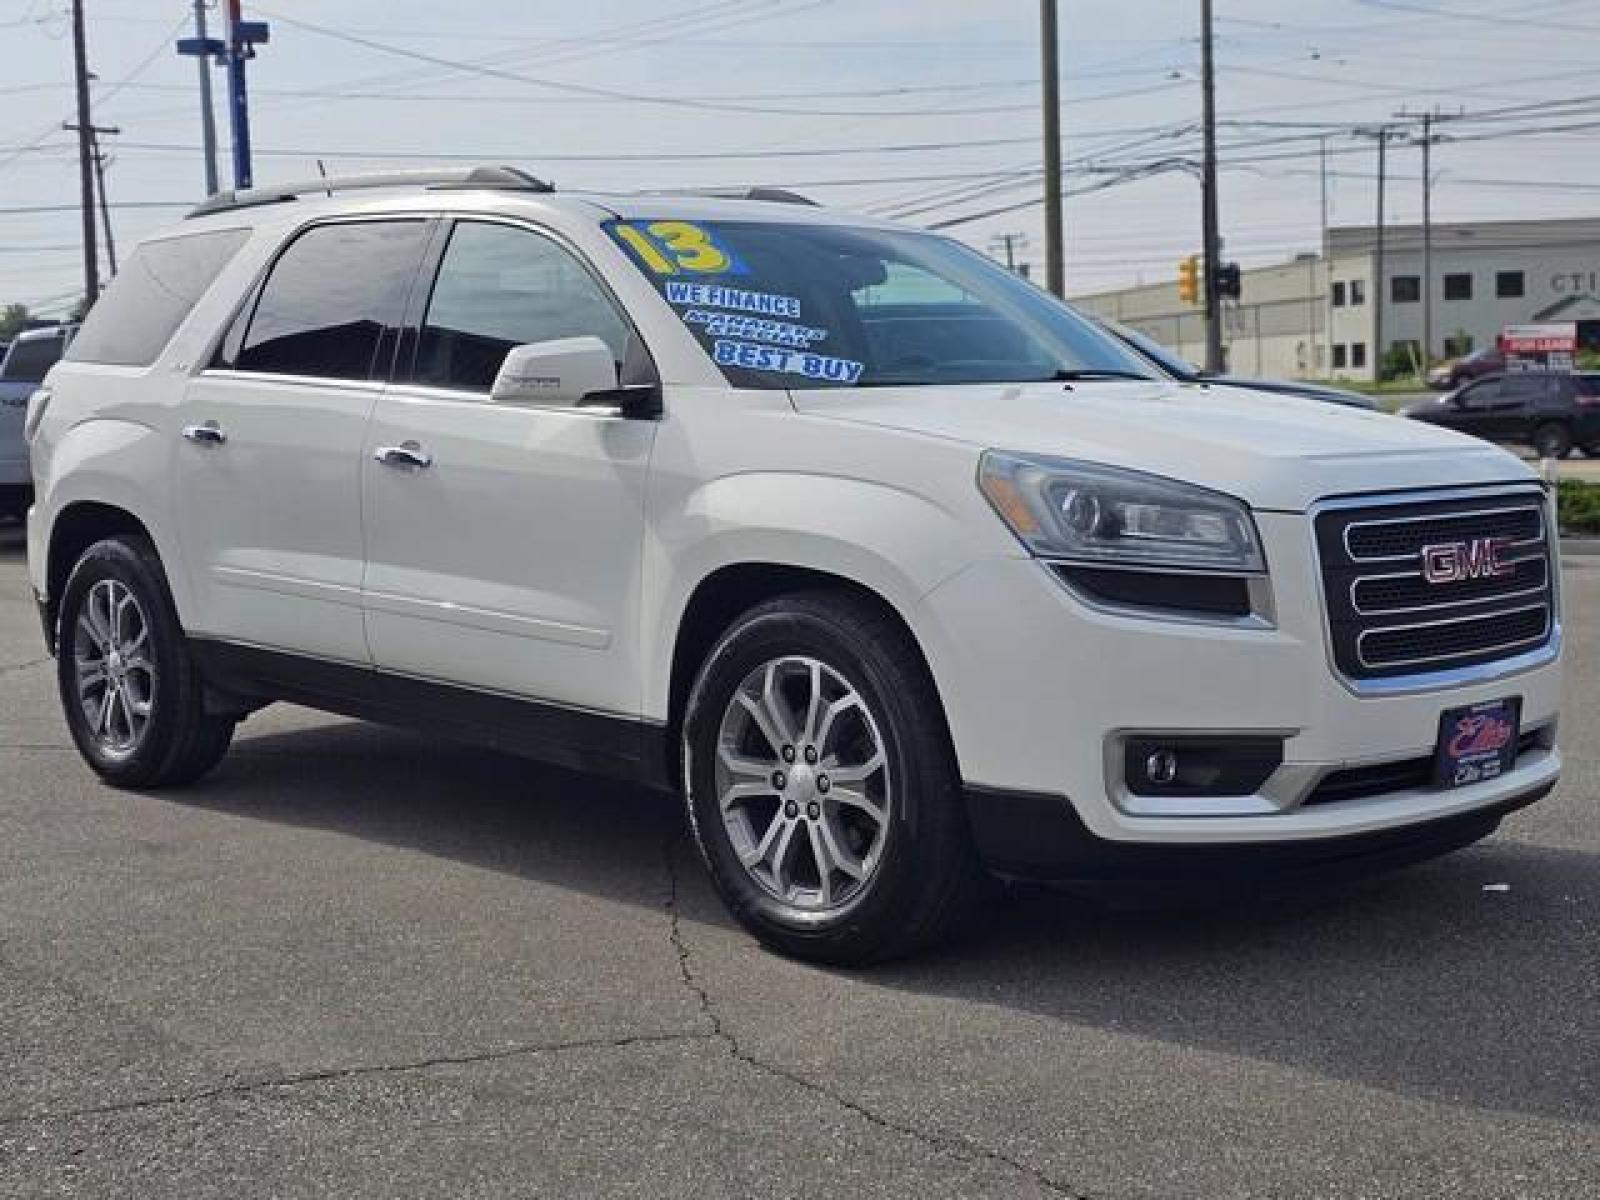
point(1552, 441)
point(821, 784)
point(133, 701)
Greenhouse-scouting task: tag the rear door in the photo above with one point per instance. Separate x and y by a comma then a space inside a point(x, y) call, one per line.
point(1526, 401)
point(510, 561)
point(269, 475)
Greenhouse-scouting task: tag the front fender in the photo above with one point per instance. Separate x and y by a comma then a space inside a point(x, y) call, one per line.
point(896, 543)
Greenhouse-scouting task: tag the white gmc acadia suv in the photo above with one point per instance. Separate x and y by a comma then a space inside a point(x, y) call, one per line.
point(902, 573)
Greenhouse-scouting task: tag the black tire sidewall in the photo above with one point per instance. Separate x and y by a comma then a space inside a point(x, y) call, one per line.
point(1563, 440)
point(914, 744)
point(131, 565)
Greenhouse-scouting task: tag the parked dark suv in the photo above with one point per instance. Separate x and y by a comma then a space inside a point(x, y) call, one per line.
point(1550, 412)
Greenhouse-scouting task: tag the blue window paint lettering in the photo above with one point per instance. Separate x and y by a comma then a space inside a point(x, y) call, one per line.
point(755, 357)
point(760, 329)
point(714, 295)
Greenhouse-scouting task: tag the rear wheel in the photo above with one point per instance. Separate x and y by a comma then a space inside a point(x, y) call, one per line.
point(133, 700)
point(1552, 441)
point(821, 784)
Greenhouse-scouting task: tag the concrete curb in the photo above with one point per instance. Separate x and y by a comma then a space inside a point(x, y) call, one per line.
point(1580, 545)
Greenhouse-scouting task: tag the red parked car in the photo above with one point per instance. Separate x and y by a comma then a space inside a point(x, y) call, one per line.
point(1450, 375)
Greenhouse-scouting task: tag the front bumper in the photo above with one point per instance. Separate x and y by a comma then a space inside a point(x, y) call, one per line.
point(1040, 688)
point(1028, 836)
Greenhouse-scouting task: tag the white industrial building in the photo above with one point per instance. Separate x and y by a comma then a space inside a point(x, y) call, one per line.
point(1320, 316)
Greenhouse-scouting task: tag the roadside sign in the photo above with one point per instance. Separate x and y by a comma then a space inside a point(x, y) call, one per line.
point(1546, 347)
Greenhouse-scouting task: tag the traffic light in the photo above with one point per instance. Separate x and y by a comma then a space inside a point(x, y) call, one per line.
point(1189, 279)
point(1229, 283)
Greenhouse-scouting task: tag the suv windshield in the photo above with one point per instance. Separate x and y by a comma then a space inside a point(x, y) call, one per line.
point(804, 306)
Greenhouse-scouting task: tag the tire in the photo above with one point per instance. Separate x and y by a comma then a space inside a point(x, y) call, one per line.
point(1592, 450)
point(907, 873)
point(137, 659)
point(1552, 440)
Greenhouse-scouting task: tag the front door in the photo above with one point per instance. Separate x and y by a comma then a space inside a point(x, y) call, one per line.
point(269, 473)
point(1476, 409)
point(504, 542)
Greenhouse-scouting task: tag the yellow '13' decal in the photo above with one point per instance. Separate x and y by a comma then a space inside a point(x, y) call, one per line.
point(667, 247)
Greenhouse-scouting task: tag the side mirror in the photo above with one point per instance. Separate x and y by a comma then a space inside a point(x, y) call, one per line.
point(556, 374)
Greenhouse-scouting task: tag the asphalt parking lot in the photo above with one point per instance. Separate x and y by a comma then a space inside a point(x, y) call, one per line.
point(358, 963)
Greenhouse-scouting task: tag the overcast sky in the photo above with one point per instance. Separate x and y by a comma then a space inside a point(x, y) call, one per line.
point(933, 103)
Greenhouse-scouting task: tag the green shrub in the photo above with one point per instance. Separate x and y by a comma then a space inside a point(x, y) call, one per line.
point(1579, 505)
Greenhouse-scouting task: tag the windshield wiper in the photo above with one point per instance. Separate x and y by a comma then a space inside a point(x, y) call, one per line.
point(1090, 373)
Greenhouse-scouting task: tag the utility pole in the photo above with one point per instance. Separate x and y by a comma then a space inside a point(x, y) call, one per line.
point(208, 120)
point(1008, 244)
point(1327, 274)
point(100, 185)
point(1427, 239)
point(1209, 214)
point(1377, 264)
point(1428, 120)
point(1050, 71)
point(80, 68)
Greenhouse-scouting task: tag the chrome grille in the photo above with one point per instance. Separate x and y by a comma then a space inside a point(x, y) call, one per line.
point(1387, 618)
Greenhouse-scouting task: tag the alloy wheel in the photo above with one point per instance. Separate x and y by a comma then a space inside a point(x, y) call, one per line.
point(115, 673)
point(803, 783)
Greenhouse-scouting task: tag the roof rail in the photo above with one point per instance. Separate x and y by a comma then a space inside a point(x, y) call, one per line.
point(773, 195)
point(508, 178)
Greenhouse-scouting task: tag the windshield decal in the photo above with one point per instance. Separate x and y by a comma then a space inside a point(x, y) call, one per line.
point(781, 333)
point(711, 295)
point(755, 357)
point(668, 247)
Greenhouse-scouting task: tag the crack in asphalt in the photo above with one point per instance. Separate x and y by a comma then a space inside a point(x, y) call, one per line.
point(14, 668)
point(340, 1073)
point(960, 1148)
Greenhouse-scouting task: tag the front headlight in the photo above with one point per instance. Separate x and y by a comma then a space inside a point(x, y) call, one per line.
point(1086, 513)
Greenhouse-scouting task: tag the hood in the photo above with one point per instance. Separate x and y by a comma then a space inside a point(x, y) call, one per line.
point(1424, 410)
point(1285, 387)
point(1273, 452)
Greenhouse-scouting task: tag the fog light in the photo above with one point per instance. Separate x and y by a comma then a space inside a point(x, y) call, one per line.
point(1161, 767)
point(1195, 765)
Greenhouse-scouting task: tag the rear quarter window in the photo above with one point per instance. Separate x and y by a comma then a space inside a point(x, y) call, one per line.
point(131, 324)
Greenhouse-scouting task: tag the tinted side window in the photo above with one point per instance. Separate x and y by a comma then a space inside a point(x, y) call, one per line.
point(500, 287)
point(1524, 389)
point(150, 297)
point(331, 297)
point(1481, 395)
point(30, 358)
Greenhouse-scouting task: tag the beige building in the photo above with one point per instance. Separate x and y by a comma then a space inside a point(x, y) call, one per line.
point(1318, 317)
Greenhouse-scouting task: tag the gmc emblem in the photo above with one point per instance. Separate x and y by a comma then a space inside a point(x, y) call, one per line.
point(1456, 562)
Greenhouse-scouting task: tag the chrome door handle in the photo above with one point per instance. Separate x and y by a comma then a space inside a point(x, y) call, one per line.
point(209, 434)
point(407, 454)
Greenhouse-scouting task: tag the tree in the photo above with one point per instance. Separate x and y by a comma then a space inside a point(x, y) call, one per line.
point(14, 318)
